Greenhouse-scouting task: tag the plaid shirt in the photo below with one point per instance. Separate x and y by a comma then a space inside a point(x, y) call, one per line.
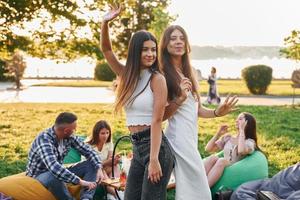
point(44, 156)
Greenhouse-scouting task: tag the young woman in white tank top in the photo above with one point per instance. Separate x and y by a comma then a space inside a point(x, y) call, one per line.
point(142, 91)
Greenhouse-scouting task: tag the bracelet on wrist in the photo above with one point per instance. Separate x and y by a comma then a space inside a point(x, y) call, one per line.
point(215, 113)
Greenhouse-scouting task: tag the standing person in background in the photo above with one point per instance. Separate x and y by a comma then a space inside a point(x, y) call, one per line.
point(213, 96)
point(183, 111)
point(142, 91)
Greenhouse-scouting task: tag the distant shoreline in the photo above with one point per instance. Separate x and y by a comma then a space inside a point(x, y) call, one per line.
point(88, 78)
point(58, 78)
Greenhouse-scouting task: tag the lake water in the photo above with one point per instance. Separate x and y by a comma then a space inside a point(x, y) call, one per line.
point(226, 68)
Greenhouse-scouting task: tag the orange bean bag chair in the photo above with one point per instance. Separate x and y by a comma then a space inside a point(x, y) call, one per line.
point(21, 187)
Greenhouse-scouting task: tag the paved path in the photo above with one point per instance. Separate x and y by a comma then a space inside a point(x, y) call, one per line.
point(100, 95)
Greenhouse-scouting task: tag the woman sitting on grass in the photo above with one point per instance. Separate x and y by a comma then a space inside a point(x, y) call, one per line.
point(235, 147)
point(102, 143)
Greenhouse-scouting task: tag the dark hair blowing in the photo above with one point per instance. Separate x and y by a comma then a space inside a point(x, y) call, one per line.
point(65, 118)
point(250, 129)
point(96, 130)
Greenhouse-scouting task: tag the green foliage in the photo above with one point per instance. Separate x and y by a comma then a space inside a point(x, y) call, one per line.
point(69, 29)
point(15, 14)
point(4, 73)
point(103, 72)
point(257, 78)
point(16, 67)
point(161, 20)
point(137, 15)
point(292, 51)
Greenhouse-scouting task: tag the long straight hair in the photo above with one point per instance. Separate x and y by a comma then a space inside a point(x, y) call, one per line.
point(172, 77)
point(250, 129)
point(130, 76)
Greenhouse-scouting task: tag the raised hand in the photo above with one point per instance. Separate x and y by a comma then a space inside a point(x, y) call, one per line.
point(228, 106)
point(186, 87)
point(242, 124)
point(115, 10)
point(222, 130)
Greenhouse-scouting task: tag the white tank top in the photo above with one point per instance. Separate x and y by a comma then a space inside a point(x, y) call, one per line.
point(139, 112)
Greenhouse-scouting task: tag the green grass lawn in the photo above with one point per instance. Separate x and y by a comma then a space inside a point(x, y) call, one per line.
point(278, 130)
point(277, 87)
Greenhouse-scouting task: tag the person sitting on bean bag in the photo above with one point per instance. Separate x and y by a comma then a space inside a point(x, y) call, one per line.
point(235, 148)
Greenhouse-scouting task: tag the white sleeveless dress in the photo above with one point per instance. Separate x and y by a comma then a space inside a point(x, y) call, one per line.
point(182, 133)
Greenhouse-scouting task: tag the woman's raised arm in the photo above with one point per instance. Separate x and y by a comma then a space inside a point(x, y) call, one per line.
point(105, 42)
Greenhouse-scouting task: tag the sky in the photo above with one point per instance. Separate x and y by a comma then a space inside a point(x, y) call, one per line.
point(237, 22)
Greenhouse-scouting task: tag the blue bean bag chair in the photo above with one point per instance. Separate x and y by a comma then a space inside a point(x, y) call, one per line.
point(252, 167)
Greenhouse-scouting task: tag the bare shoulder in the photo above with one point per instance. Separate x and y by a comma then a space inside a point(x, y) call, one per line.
point(158, 78)
point(158, 82)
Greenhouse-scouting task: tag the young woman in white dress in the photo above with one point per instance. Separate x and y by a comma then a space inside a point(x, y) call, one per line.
point(182, 113)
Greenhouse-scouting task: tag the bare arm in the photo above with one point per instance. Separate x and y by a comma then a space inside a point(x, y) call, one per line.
point(211, 145)
point(225, 108)
point(105, 42)
point(185, 86)
point(242, 147)
point(205, 112)
point(159, 88)
point(172, 107)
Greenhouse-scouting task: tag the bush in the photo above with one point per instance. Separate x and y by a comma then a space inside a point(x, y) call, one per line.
point(103, 72)
point(296, 76)
point(4, 74)
point(257, 78)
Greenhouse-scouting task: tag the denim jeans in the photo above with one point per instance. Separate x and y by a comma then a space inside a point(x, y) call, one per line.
point(138, 186)
point(58, 188)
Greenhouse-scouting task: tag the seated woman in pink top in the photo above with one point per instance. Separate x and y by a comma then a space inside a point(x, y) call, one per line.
point(234, 147)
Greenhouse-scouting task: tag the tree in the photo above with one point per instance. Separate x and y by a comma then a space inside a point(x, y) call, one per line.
point(16, 66)
point(292, 51)
point(140, 14)
point(69, 29)
point(18, 33)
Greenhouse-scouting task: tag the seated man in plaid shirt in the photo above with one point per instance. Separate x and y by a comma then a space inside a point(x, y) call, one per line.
point(45, 160)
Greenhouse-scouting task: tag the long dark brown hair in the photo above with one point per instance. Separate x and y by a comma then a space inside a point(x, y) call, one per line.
point(172, 77)
point(130, 76)
point(96, 130)
point(250, 129)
